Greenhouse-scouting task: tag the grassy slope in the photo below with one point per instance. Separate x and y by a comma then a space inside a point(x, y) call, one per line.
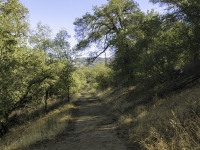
point(170, 123)
point(44, 128)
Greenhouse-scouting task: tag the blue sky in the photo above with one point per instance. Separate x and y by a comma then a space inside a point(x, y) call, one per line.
point(60, 14)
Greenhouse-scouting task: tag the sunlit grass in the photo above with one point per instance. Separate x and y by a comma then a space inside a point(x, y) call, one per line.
point(41, 129)
point(171, 123)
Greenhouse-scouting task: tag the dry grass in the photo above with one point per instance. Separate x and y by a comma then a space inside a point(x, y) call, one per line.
point(75, 97)
point(172, 123)
point(43, 128)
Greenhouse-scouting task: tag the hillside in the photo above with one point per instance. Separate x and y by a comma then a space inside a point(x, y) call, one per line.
point(146, 96)
point(171, 122)
point(115, 119)
point(83, 61)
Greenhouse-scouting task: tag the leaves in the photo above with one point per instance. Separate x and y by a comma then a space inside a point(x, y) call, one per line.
point(28, 70)
point(104, 25)
point(146, 46)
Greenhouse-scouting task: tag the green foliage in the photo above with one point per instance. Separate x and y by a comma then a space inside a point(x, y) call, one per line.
point(12, 30)
point(186, 12)
point(40, 38)
point(28, 74)
point(79, 78)
point(147, 47)
point(97, 77)
point(104, 76)
point(105, 25)
point(62, 46)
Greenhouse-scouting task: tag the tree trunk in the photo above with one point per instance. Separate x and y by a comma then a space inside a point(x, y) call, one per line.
point(45, 102)
point(106, 62)
point(4, 129)
point(68, 88)
point(4, 126)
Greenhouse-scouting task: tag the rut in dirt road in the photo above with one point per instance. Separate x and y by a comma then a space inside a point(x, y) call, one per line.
point(93, 129)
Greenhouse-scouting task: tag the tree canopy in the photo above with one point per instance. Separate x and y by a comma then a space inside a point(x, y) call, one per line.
point(145, 46)
point(30, 69)
point(105, 25)
point(148, 51)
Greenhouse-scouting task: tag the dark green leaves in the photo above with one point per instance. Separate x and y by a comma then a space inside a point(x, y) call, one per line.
point(104, 26)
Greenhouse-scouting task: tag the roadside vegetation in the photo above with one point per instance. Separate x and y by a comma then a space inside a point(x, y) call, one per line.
point(157, 56)
point(34, 66)
point(161, 123)
point(38, 129)
point(153, 75)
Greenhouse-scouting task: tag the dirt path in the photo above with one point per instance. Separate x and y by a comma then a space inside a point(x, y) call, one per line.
point(93, 129)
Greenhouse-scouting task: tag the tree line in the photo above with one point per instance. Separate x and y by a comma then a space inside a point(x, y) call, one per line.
point(33, 65)
point(147, 48)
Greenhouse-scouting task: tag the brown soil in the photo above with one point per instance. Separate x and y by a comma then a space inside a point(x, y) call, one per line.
point(92, 129)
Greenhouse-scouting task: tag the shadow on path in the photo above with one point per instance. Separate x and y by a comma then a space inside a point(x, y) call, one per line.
point(92, 129)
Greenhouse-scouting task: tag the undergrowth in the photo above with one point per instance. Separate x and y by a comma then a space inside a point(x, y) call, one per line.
point(170, 123)
point(43, 128)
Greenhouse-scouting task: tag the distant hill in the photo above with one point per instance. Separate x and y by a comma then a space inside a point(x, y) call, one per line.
point(82, 61)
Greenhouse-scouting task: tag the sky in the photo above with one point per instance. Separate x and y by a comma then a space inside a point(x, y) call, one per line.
point(59, 14)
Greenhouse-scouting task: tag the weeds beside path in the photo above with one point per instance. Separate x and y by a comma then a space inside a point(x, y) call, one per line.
point(92, 129)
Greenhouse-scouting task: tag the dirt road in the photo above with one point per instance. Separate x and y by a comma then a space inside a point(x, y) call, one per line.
point(92, 129)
